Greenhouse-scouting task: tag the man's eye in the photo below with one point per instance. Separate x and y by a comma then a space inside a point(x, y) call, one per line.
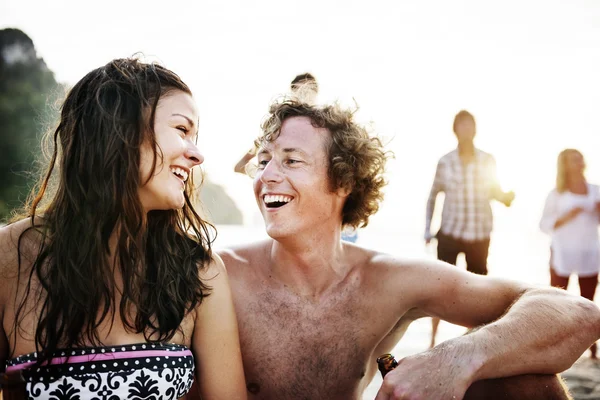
point(292, 161)
point(262, 163)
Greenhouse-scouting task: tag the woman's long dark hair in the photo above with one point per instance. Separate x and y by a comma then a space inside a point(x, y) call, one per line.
point(105, 120)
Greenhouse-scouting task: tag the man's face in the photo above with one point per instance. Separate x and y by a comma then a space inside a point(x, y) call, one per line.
point(465, 130)
point(291, 184)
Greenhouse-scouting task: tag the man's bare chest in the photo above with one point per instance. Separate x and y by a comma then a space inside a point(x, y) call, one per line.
point(298, 349)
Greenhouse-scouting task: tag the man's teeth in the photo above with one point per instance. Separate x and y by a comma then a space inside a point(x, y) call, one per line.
point(180, 172)
point(277, 199)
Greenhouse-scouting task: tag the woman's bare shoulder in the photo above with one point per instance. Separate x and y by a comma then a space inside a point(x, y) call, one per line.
point(18, 241)
point(213, 268)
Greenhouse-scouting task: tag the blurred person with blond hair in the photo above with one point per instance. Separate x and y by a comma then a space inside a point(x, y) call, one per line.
point(571, 215)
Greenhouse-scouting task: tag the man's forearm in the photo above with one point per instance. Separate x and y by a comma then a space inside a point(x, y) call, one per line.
point(544, 332)
point(429, 212)
point(499, 195)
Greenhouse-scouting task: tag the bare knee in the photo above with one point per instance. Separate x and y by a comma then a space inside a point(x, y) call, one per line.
point(521, 387)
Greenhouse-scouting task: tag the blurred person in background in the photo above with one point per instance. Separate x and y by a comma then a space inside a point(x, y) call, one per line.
point(467, 177)
point(571, 216)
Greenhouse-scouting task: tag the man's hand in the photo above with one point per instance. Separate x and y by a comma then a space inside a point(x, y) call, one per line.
point(428, 237)
point(433, 374)
point(508, 198)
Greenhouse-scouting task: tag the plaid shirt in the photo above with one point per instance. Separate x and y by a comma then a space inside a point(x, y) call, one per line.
point(468, 189)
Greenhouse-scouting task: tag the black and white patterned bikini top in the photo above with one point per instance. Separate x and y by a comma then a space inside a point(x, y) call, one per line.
point(134, 371)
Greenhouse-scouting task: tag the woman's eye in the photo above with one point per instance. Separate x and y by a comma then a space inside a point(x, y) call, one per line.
point(183, 129)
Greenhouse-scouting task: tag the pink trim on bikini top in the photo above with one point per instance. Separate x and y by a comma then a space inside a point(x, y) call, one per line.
point(104, 357)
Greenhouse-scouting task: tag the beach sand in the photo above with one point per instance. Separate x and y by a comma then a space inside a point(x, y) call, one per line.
point(583, 379)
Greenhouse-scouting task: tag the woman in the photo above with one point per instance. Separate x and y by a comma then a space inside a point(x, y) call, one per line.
point(571, 217)
point(110, 289)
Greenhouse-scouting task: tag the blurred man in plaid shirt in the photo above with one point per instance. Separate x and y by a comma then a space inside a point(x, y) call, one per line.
point(467, 176)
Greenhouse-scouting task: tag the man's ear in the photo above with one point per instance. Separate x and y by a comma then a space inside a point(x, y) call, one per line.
point(343, 192)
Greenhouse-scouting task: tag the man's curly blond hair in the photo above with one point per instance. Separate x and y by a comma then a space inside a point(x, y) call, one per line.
point(356, 160)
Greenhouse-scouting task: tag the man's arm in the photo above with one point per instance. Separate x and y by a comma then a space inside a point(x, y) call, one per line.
point(545, 331)
point(436, 187)
point(505, 198)
point(523, 330)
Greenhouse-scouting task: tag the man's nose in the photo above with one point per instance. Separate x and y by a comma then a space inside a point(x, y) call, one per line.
point(271, 172)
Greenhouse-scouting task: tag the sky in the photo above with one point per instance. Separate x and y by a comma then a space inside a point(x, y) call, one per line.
point(528, 70)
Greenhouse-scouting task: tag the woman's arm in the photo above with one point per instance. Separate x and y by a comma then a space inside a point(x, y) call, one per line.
point(568, 216)
point(551, 219)
point(8, 265)
point(215, 343)
point(12, 386)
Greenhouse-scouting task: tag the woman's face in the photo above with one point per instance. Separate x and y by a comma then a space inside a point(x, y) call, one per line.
point(176, 129)
point(574, 163)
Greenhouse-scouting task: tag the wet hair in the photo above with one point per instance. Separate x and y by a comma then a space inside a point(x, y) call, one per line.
point(304, 79)
point(561, 169)
point(105, 120)
point(356, 160)
point(462, 115)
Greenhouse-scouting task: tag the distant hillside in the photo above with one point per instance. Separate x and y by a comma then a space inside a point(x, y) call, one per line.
point(27, 88)
point(219, 207)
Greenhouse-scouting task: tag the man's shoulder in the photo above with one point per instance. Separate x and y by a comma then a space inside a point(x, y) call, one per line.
point(484, 155)
point(407, 280)
point(448, 157)
point(384, 263)
point(243, 254)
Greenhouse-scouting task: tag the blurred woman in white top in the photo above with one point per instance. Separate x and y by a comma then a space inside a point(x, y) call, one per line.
point(571, 216)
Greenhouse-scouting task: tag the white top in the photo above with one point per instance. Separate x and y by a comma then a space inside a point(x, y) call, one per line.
point(575, 245)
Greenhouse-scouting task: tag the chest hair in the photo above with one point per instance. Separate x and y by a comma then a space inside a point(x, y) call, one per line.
point(299, 349)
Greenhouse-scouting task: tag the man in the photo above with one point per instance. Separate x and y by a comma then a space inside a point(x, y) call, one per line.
point(303, 87)
point(467, 176)
point(315, 312)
